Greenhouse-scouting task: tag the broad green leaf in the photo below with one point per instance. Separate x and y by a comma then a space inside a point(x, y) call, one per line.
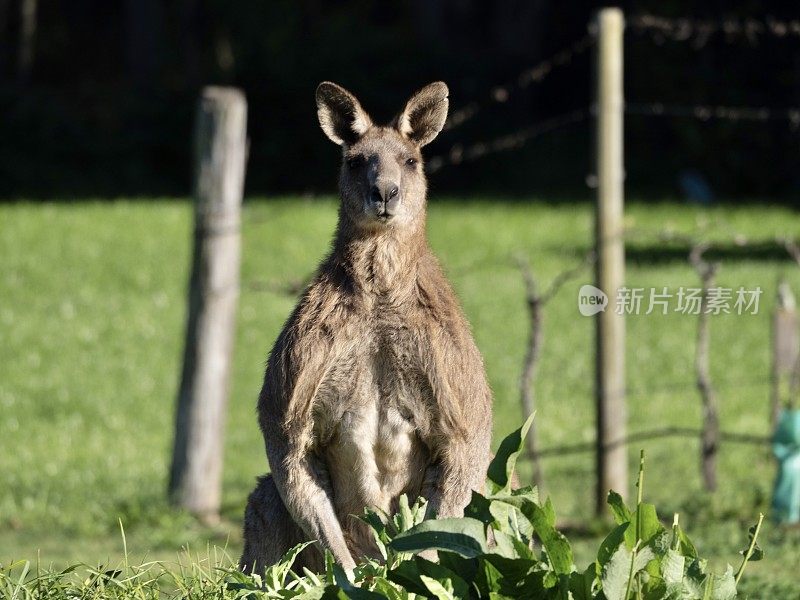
point(503, 516)
point(614, 576)
point(496, 510)
point(488, 578)
point(464, 536)
point(549, 512)
point(442, 590)
point(622, 514)
point(580, 584)
point(555, 544)
point(694, 580)
point(723, 586)
point(550, 579)
point(685, 545)
point(661, 542)
point(647, 520)
point(512, 577)
point(613, 541)
point(463, 567)
point(502, 465)
point(454, 583)
point(672, 567)
point(407, 575)
point(523, 550)
point(529, 492)
point(340, 577)
point(410, 575)
point(478, 508)
point(510, 520)
point(618, 570)
point(504, 545)
point(654, 588)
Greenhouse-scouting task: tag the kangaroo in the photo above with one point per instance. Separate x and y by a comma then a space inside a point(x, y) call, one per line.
point(375, 387)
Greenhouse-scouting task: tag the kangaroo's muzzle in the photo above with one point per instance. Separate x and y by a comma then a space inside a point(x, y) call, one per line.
point(386, 200)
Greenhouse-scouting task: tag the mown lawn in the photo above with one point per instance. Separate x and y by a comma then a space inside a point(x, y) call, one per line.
point(91, 326)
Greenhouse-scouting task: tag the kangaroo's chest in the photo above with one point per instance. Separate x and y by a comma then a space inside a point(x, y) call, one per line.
point(371, 418)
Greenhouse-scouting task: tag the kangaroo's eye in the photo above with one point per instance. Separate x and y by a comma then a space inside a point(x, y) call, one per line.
point(355, 162)
point(411, 162)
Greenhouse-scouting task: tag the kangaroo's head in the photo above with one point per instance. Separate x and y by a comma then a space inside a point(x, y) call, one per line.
point(382, 182)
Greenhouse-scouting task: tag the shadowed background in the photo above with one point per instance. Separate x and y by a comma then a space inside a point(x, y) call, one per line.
point(97, 98)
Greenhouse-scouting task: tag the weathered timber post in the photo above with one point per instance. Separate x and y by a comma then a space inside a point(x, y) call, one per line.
point(27, 39)
point(611, 454)
point(785, 351)
point(220, 149)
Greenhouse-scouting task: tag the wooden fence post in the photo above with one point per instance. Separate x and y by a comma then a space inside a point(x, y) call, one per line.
point(220, 148)
point(785, 351)
point(611, 456)
point(26, 52)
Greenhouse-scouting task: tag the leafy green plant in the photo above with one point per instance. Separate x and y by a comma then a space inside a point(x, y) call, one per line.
point(505, 546)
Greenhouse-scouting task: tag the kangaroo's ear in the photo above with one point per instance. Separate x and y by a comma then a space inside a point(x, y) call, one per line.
point(425, 113)
point(340, 115)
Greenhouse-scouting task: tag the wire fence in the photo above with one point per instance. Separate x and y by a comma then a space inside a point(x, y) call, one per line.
point(696, 32)
point(459, 154)
point(648, 435)
point(704, 112)
point(500, 94)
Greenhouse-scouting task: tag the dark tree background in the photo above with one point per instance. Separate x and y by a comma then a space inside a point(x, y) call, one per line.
point(97, 96)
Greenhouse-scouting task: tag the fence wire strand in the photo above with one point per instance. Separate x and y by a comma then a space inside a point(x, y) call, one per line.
point(500, 94)
point(698, 32)
point(706, 112)
point(459, 153)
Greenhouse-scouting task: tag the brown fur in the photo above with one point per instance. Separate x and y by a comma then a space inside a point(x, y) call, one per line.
point(374, 387)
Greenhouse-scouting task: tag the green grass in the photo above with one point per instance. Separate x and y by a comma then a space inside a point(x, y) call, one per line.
point(92, 314)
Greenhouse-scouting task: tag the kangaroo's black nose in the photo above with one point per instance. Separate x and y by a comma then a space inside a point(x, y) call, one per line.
point(386, 199)
point(389, 192)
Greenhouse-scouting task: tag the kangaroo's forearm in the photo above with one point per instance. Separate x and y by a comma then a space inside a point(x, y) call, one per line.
point(449, 482)
point(308, 500)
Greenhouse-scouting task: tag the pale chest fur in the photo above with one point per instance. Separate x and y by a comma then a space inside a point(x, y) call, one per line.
point(372, 417)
